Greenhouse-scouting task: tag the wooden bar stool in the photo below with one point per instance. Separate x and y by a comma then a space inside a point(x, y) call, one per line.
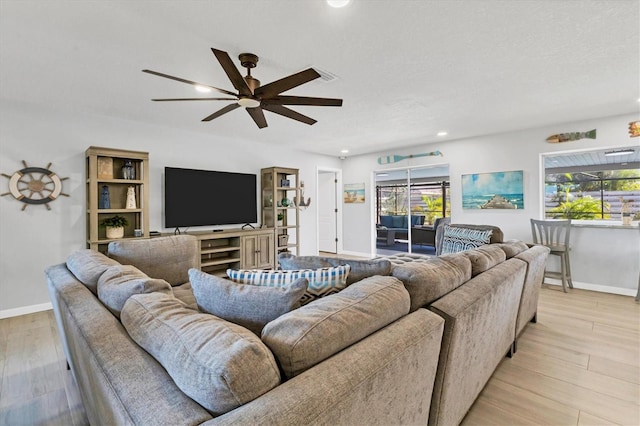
point(555, 235)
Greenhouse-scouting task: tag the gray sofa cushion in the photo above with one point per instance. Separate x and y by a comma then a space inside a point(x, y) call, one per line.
point(250, 306)
point(220, 365)
point(119, 282)
point(314, 332)
point(169, 258)
point(484, 258)
point(87, 265)
point(360, 269)
point(322, 282)
point(513, 247)
point(184, 293)
point(429, 280)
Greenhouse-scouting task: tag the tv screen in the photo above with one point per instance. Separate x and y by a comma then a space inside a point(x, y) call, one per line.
point(206, 197)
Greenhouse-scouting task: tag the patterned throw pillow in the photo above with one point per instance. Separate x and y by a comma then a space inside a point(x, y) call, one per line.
point(322, 282)
point(460, 239)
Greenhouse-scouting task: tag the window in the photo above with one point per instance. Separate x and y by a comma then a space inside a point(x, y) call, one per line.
point(592, 185)
point(428, 199)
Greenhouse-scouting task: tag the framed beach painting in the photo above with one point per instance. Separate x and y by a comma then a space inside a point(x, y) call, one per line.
point(353, 193)
point(499, 190)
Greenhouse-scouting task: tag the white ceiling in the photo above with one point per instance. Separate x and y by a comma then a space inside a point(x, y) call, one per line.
point(406, 69)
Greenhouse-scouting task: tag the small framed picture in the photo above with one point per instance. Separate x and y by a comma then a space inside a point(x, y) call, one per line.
point(284, 182)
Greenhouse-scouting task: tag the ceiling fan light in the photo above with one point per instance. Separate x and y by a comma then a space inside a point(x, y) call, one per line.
point(249, 102)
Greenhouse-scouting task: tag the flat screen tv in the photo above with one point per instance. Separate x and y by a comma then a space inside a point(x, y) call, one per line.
point(207, 197)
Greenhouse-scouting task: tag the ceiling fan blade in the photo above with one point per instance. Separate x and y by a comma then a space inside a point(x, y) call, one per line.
point(221, 111)
point(258, 116)
point(232, 72)
point(286, 112)
point(287, 83)
point(182, 80)
point(302, 100)
point(195, 99)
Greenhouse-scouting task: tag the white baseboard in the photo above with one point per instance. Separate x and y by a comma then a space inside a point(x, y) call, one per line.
point(8, 313)
point(356, 253)
point(596, 287)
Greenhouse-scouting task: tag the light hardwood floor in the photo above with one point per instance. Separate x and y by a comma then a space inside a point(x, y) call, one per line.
point(579, 365)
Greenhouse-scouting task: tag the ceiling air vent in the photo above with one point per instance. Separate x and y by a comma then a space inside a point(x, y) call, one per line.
point(325, 76)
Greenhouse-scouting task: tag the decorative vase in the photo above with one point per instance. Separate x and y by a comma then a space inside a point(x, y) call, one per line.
point(115, 232)
point(131, 198)
point(128, 171)
point(105, 201)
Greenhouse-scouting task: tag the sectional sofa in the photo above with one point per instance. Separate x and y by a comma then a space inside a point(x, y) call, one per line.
point(412, 343)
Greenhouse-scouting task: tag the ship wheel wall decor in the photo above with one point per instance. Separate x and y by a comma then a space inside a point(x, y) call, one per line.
point(35, 185)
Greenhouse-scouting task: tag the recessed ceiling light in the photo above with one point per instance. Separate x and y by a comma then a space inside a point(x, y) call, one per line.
point(338, 3)
point(442, 133)
point(344, 151)
point(203, 89)
point(619, 152)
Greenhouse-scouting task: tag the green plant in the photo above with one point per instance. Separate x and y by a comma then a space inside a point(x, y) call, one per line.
point(578, 208)
point(280, 216)
point(114, 222)
point(433, 208)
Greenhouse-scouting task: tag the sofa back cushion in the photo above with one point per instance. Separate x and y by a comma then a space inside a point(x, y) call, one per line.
point(322, 282)
point(218, 364)
point(386, 221)
point(513, 247)
point(484, 258)
point(399, 221)
point(429, 280)
point(119, 282)
point(250, 306)
point(417, 220)
point(169, 258)
point(359, 269)
point(88, 265)
point(314, 332)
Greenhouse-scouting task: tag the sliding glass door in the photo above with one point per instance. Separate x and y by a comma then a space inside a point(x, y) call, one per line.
point(408, 202)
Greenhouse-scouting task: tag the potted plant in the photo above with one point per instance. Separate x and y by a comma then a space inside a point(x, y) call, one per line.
point(280, 218)
point(115, 226)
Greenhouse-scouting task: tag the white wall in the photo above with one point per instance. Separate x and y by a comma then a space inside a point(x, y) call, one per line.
point(504, 152)
point(33, 239)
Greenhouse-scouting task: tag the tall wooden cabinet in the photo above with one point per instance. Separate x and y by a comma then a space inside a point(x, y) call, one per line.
point(280, 194)
point(115, 172)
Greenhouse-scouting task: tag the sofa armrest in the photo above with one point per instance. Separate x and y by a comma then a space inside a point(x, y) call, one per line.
point(96, 343)
point(480, 318)
point(386, 378)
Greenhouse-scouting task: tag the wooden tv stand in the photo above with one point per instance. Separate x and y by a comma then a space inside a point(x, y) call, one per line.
point(236, 249)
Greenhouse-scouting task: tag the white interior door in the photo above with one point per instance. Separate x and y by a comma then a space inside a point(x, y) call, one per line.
point(327, 215)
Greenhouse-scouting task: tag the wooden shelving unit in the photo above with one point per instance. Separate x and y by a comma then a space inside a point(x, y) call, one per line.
point(236, 249)
point(280, 192)
point(112, 177)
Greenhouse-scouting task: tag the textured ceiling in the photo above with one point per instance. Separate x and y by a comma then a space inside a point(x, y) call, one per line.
point(406, 69)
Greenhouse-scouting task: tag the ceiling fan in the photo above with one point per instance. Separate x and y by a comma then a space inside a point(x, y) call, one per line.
point(252, 96)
